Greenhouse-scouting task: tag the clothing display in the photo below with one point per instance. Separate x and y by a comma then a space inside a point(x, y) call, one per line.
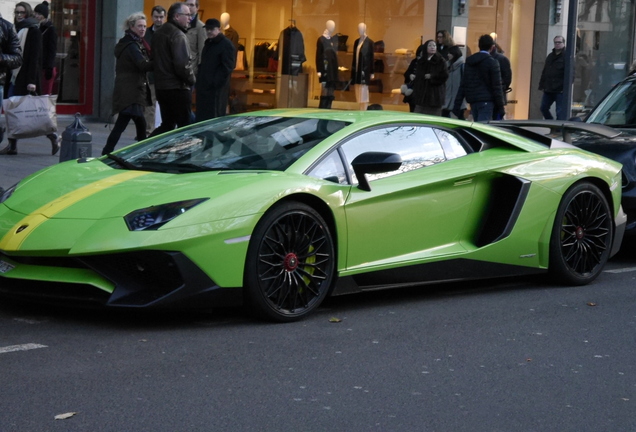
point(292, 51)
point(232, 35)
point(327, 59)
point(362, 65)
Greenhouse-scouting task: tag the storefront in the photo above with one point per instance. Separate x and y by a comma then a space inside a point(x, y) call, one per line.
point(263, 78)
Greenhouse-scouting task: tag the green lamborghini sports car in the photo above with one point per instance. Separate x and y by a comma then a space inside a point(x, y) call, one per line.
point(279, 209)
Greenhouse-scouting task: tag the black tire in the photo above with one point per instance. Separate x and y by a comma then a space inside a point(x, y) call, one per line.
point(290, 265)
point(582, 235)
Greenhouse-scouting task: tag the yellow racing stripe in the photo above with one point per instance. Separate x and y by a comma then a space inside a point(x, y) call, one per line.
point(14, 238)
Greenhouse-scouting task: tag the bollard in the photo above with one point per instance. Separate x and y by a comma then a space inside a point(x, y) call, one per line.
point(76, 141)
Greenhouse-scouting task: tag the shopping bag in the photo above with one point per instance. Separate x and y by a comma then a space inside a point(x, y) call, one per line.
point(30, 116)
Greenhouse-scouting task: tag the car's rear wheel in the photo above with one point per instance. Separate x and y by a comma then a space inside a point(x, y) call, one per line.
point(581, 236)
point(290, 264)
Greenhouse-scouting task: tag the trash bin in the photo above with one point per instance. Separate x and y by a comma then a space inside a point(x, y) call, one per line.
point(76, 141)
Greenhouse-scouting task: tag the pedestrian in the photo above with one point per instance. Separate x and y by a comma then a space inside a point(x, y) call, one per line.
point(196, 34)
point(506, 76)
point(132, 93)
point(174, 77)
point(10, 58)
point(551, 82)
point(26, 79)
point(158, 14)
point(455, 72)
point(409, 77)
point(213, 80)
point(444, 42)
point(49, 47)
point(429, 86)
point(481, 83)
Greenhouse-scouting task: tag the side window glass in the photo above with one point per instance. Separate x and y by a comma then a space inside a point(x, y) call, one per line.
point(330, 168)
point(451, 145)
point(417, 146)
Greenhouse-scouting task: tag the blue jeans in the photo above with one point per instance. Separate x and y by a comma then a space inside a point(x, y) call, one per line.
point(546, 102)
point(482, 111)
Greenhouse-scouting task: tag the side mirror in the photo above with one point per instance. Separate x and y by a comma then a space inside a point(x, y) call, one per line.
point(374, 163)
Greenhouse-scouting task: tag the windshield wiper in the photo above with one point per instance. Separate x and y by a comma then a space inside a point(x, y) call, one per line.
point(123, 162)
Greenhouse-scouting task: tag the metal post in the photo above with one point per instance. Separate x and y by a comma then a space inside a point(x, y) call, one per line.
point(570, 52)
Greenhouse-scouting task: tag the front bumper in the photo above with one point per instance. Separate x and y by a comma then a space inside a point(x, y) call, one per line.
point(143, 279)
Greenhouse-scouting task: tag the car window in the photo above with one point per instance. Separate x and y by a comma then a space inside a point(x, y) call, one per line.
point(418, 146)
point(450, 144)
point(330, 168)
point(618, 108)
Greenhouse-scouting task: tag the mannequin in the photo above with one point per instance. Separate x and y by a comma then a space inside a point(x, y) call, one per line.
point(327, 64)
point(228, 31)
point(362, 66)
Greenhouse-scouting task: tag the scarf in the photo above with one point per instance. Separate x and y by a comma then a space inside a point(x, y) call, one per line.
point(141, 41)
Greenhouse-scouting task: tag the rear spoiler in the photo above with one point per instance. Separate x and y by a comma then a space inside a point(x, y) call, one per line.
point(562, 127)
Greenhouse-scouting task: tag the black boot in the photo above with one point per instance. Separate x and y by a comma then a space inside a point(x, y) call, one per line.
point(11, 149)
point(55, 145)
point(329, 101)
point(323, 102)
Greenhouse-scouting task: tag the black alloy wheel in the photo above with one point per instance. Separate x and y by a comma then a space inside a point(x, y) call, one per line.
point(290, 265)
point(582, 235)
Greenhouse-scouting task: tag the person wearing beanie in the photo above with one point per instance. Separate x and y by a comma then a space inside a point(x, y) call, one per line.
point(49, 47)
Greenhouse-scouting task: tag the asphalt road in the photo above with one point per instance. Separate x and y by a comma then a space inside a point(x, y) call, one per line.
point(499, 355)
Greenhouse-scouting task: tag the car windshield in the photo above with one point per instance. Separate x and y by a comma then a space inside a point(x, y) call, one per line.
point(229, 143)
point(618, 109)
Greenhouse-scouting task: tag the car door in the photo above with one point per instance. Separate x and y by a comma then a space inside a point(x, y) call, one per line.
point(414, 213)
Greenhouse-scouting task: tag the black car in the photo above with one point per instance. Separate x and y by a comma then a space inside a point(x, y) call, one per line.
point(609, 129)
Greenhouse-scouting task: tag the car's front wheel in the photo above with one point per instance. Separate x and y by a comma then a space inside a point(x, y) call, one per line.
point(581, 236)
point(290, 264)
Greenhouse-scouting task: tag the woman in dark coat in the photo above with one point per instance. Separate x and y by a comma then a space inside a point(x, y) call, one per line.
point(26, 79)
point(132, 92)
point(429, 89)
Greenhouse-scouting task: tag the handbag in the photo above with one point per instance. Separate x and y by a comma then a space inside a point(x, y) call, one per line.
point(30, 116)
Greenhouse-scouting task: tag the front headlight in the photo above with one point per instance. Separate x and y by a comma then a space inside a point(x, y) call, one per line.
point(5, 194)
point(154, 217)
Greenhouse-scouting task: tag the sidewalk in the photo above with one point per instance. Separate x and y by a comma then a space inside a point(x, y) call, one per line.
point(35, 153)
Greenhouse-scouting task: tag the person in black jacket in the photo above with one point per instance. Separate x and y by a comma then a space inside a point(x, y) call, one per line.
point(429, 86)
point(215, 70)
point(158, 14)
point(132, 92)
point(506, 76)
point(26, 79)
point(10, 58)
point(409, 76)
point(552, 80)
point(49, 47)
point(481, 83)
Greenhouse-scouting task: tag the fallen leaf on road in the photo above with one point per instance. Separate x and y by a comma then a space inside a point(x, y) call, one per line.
point(528, 359)
point(591, 304)
point(65, 416)
point(334, 320)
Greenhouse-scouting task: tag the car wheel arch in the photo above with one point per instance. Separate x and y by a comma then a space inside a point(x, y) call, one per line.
point(321, 207)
